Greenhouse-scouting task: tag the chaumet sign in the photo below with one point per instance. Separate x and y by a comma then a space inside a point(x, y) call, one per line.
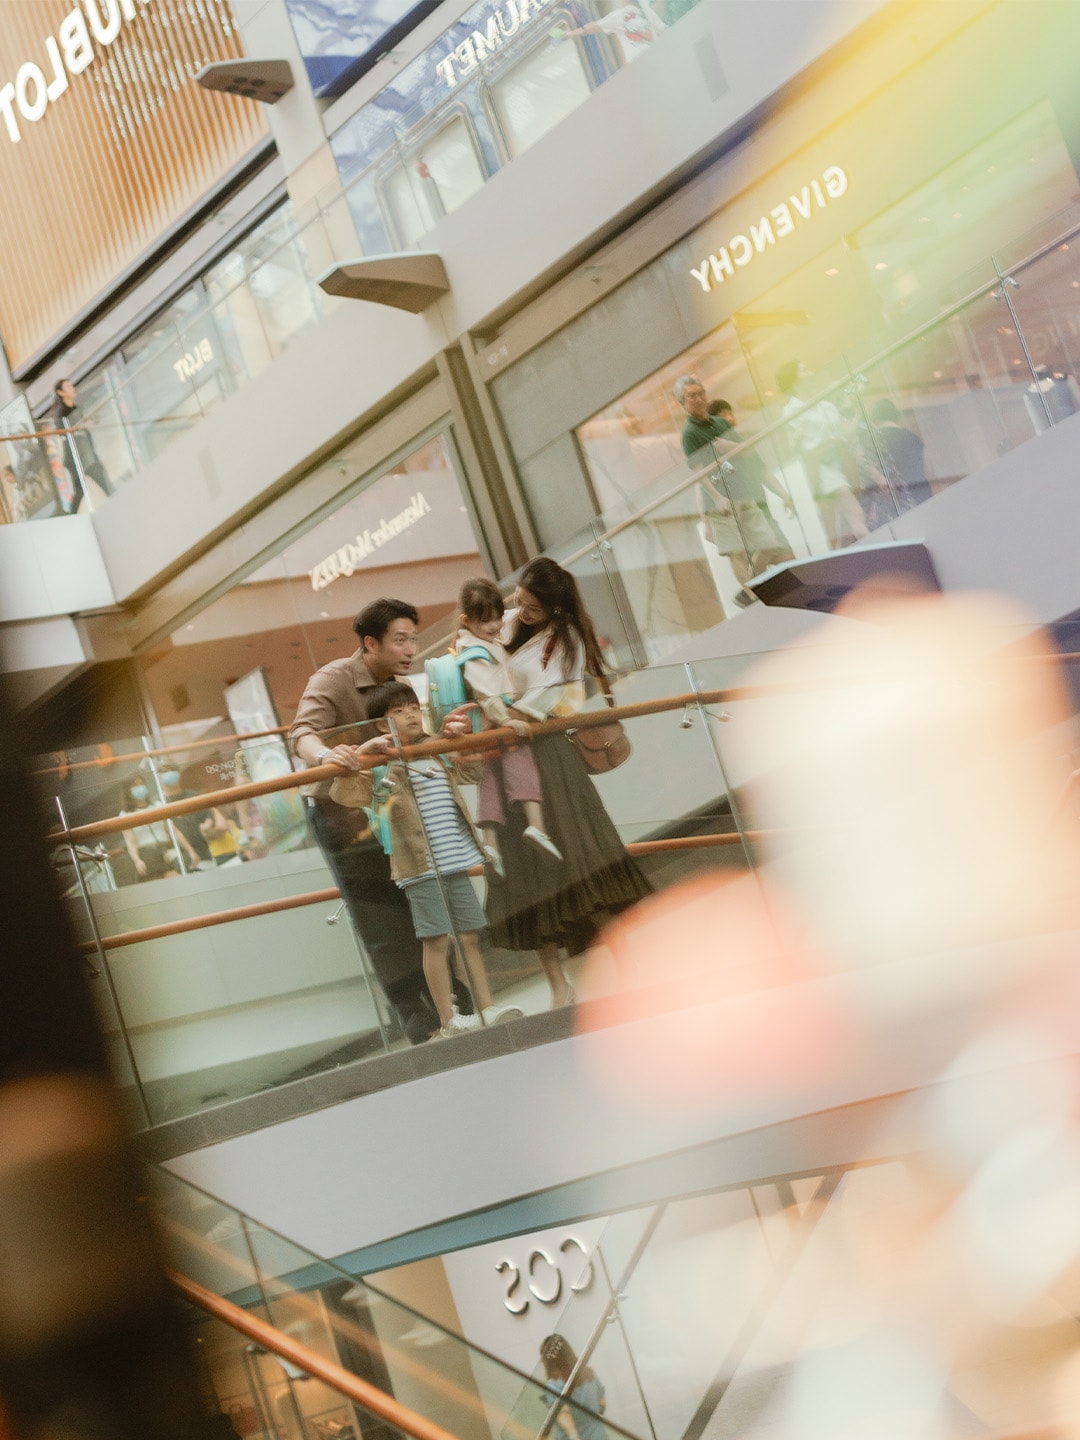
point(781, 221)
point(502, 24)
point(67, 53)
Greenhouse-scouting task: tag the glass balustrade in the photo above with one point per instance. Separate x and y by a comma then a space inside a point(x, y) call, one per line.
point(786, 1299)
point(926, 400)
point(273, 992)
point(409, 1355)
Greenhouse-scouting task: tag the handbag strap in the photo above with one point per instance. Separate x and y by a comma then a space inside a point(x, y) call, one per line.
point(605, 686)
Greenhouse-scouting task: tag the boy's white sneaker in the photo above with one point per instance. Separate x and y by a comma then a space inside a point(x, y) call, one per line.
point(545, 842)
point(458, 1025)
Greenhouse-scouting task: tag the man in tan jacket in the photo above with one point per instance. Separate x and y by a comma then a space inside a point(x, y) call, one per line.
point(336, 697)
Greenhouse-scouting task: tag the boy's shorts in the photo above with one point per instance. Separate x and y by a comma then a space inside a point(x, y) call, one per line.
point(428, 907)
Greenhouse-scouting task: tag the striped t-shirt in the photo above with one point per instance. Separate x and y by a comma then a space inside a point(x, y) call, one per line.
point(449, 837)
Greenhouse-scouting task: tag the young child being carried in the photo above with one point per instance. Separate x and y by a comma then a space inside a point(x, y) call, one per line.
point(511, 778)
point(433, 845)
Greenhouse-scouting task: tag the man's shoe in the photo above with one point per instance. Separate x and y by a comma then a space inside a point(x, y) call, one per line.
point(545, 842)
point(500, 1014)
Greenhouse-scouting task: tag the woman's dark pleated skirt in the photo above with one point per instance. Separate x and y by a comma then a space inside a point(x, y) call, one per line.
point(563, 902)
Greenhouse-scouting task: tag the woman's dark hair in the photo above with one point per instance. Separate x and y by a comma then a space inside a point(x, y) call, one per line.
point(480, 600)
point(883, 411)
point(555, 589)
point(560, 1358)
point(375, 619)
point(390, 696)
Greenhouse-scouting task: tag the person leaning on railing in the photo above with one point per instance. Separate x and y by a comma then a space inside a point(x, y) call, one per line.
point(79, 451)
point(336, 696)
point(541, 903)
point(732, 500)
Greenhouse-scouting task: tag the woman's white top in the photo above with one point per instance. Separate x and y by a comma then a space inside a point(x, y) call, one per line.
point(155, 833)
point(556, 688)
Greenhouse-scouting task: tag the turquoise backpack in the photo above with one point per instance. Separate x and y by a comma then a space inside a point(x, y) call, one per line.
point(446, 684)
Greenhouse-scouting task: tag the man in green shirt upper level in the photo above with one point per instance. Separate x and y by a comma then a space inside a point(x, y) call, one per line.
point(731, 498)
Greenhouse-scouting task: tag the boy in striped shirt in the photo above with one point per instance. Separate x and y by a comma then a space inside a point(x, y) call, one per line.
point(433, 845)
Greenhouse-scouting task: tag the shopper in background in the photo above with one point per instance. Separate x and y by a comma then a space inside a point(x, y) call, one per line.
point(635, 27)
point(559, 1360)
point(818, 431)
point(904, 455)
point(197, 827)
point(731, 498)
point(79, 452)
point(544, 904)
point(153, 846)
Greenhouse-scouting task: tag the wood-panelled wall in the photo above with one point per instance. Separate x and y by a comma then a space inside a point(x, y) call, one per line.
point(118, 157)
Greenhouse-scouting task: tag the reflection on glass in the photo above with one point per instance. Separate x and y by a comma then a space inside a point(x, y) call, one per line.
point(439, 176)
point(545, 85)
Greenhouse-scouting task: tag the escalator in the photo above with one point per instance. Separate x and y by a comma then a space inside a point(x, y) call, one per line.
point(777, 1308)
point(278, 1331)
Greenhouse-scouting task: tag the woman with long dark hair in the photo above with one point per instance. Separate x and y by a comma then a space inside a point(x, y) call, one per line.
point(544, 904)
point(559, 1361)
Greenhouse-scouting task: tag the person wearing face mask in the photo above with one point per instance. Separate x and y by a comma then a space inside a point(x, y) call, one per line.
point(198, 827)
point(151, 846)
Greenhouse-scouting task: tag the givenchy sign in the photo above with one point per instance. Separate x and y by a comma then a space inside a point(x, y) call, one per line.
point(781, 221)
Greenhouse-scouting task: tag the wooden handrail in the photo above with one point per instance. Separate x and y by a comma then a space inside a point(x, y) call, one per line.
point(483, 741)
point(102, 762)
point(231, 742)
point(322, 897)
point(479, 742)
point(360, 1392)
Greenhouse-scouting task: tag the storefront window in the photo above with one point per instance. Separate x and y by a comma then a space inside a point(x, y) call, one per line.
point(515, 69)
point(408, 535)
point(438, 177)
point(547, 84)
point(637, 441)
point(929, 240)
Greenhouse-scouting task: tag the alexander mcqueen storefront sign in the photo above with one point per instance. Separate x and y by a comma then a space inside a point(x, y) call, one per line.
point(781, 221)
point(503, 23)
point(347, 559)
point(66, 53)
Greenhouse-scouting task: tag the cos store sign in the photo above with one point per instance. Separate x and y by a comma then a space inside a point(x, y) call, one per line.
point(69, 52)
point(542, 1277)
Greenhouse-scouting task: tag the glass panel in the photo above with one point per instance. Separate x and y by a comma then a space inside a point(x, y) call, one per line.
point(915, 250)
point(534, 96)
point(228, 1010)
point(960, 390)
point(434, 179)
point(28, 484)
point(411, 1355)
point(475, 67)
point(1046, 299)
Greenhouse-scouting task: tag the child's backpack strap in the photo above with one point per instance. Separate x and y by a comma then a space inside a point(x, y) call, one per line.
point(446, 682)
point(378, 812)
